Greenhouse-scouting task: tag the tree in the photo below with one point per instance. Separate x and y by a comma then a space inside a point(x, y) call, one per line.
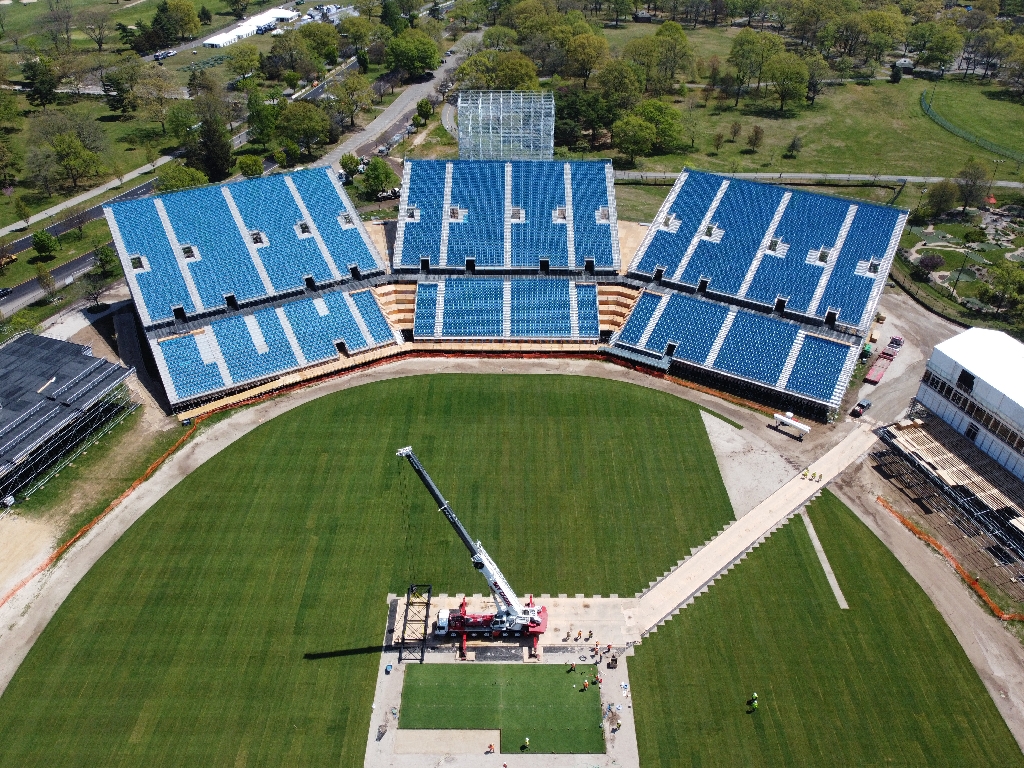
point(756, 137)
point(10, 114)
point(41, 168)
point(119, 85)
point(642, 53)
point(353, 94)
point(245, 60)
point(942, 196)
point(818, 73)
point(619, 84)
point(46, 281)
point(21, 208)
point(734, 131)
point(181, 119)
point(94, 285)
point(357, 29)
point(378, 177)
point(45, 244)
point(942, 48)
point(106, 260)
point(424, 109)
point(349, 164)
point(96, 25)
point(499, 38)
point(674, 50)
point(183, 19)
point(303, 123)
point(75, 161)
point(321, 40)
point(238, 7)
point(633, 136)
point(208, 148)
point(717, 141)
point(972, 183)
point(412, 51)
point(794, 147)
point(666, 123)
point(59, 24)
point(931, 262)
point(174, 176)
point(42, 78)
point(619, 9)
point(584, 53)
point(250, 166)
point(156, 92)
point(498, 71)
point(10, 164)
point(205, 17)
point(788, 76)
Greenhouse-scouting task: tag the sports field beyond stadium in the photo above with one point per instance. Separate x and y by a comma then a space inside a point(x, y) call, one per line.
point(544, 703)
point(188, 642)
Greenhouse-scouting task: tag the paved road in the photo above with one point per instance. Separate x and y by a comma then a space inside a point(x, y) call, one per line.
point(399, 112)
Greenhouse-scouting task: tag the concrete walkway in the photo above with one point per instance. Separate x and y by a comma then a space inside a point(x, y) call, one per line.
point(823, 559)
point(698, 572)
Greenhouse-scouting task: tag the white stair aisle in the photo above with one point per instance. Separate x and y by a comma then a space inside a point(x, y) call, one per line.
point(794, 351)
point(720, 338)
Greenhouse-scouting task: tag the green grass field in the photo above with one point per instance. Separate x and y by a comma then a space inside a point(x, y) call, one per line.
point(988, 112)
point(884, 683)
point(544, 703)
point(186, 643)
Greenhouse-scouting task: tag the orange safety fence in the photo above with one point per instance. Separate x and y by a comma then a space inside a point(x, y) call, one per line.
point(971, 581)
point(56, 555)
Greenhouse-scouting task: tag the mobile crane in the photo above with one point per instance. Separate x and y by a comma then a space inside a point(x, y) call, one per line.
point(512, 618)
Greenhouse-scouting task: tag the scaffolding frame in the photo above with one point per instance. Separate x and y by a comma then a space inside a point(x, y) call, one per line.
point(506, 125)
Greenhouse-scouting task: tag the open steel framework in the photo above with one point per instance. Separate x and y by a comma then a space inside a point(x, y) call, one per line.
point(506, 125)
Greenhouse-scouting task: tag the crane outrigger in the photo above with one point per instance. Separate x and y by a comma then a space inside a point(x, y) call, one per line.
point(512, 618)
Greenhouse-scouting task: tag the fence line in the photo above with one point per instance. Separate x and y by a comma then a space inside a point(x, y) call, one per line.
point(983, 143)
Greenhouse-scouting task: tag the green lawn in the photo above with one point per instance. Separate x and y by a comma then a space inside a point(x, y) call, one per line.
point(544, 703)
point(987, 111)
point(185, 643)
point(706, 41)
point(884, 683)
point(639, 202)
point(878, 128)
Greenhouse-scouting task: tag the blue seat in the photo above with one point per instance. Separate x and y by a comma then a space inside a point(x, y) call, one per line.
point(638, 319)
point(479, 188)
point(190, 376)
point(540, 308)
point(318, 334)
point(538, 188)
point(267, 206)
point(810, 223)
point(818, 367)
point(692, 324)
point(586, 309)
point(745, 213)
point(590, 194)
point(756, 347)
point(422, 239)
point(325, 205)
point(162, 286)
point(201, 218)
point(426, 310)
point(243, 360)
point(666, 249)
point(373, 317)
point(473, 307)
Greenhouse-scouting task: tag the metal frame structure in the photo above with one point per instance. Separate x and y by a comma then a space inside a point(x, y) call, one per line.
point(506, 125)
point(415, 624)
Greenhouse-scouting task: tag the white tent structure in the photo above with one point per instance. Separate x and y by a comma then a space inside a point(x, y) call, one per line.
point(248, 27)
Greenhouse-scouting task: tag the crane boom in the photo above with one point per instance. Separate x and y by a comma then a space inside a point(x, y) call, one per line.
point(511, 611)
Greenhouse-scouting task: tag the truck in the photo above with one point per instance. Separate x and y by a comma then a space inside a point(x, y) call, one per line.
point(885, 357)
point(512, 618)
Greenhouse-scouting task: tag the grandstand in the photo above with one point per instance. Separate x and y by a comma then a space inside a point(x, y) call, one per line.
point(506, 125)
point(464, 216)
point(55, 399)
point(237, 284)
point(749, 287)
point(760, 288)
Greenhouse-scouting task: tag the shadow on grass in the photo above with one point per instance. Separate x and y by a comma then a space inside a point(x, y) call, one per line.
point(341, 652)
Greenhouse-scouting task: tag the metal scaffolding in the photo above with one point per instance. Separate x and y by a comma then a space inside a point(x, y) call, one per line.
point(506, 125)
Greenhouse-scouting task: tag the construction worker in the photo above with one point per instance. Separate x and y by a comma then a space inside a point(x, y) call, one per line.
point(526, 742)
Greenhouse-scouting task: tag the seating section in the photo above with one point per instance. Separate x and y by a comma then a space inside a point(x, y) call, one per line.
point(202, 252)
point(506, 228)
point(495, 308)
point(256, 345)
point(425, 195)
point(689, 323)
point(815, 255)
point(539, 190)
point(267, 206)
point(818, 367)
point(757, 347)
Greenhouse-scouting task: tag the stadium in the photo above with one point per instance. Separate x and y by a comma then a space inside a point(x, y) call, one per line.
point(573, 400)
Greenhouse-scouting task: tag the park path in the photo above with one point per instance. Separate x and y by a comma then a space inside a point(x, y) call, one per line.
point(696, 574)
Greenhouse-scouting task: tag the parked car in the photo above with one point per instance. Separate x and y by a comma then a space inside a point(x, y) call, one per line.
point(859, 408)
point(5, 292)
point(390, 194)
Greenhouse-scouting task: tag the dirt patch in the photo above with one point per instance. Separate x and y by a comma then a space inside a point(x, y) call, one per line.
point(26, 543)
point(631, 235)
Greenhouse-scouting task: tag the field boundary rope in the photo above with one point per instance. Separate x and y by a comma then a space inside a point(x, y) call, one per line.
point(972, 582)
